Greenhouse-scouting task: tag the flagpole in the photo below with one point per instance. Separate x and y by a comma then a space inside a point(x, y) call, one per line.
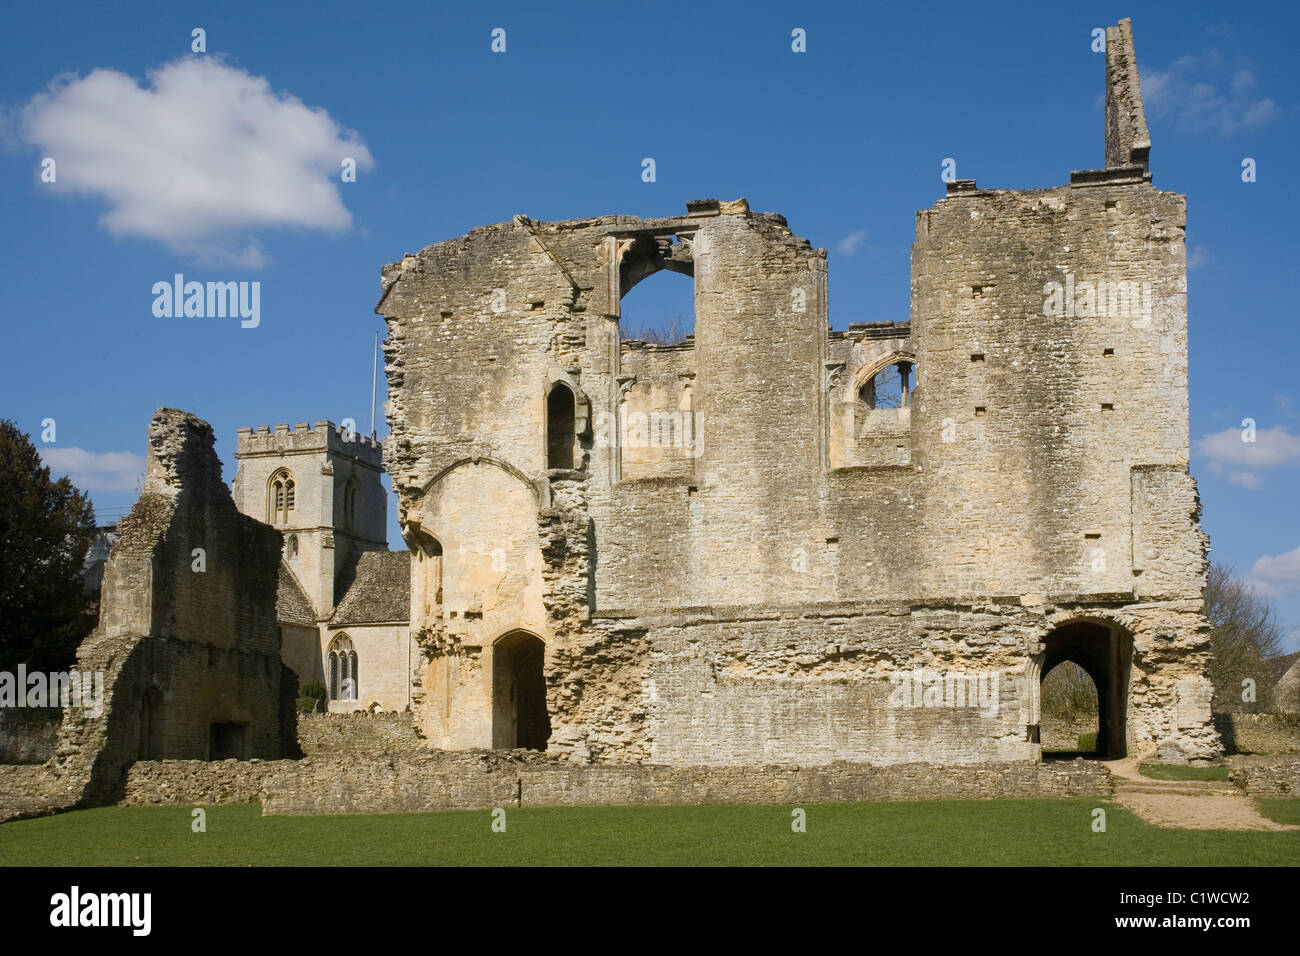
point(374, 377)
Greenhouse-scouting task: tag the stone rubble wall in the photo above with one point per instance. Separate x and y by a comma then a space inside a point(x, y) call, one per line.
point(1273, 776)
point(1259, 733)
point(358, 732)
point(187, 622)
point(488, 779)
point(27, 741)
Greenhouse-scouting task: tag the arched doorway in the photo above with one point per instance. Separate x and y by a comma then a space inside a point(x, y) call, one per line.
point(519, 717)
point(1104, 653)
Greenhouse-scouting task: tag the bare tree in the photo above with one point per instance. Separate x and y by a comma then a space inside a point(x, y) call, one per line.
point(1244, 633)
point(1068, 691)
point(673, 333)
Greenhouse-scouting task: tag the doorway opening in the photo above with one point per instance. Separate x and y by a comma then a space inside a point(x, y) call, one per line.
point(520, 719)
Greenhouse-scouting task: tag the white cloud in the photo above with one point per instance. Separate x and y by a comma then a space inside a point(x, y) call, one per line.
point(96, 471)
point(1198, 258)
point(850, 243)
point(197, 158)
point(1271, 448)
point(1245, 479)
point(1277, 575)
point(1205, 93)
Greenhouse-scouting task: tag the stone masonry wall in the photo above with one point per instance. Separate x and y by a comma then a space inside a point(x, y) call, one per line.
point(358, 732)
point(471, 780)
point(187, 635)
point(751, 602)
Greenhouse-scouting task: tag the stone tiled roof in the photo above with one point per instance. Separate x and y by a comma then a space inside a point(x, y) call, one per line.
point(380, 591)
point(291, 605)
point(1278, 666)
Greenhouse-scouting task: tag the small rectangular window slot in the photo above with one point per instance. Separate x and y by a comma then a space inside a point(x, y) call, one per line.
point(1107, 407)
point(980, 411)
point(977, 357)
point(1112, 203)
point(1107, 351)
point(977, 291)
point(1092, 535)
point(446, 313)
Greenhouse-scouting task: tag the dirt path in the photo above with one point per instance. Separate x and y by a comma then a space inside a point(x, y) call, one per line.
point(1187, 804)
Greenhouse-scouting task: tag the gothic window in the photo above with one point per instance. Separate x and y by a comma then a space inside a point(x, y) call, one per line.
point(891, 387)
point(279, 498)
point(292, 546)
point(343, 669)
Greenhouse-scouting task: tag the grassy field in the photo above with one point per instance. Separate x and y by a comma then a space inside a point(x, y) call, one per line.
point(1280, 811)
point(1164, 771)
point(932, 833)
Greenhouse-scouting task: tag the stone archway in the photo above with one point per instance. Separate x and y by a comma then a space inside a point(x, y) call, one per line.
point(1105, 653)
point(519, 716)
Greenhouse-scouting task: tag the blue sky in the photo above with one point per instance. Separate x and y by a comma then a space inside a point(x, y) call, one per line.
point(174, 155)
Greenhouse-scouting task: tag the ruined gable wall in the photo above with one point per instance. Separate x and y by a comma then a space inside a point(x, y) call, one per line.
point(205, 643)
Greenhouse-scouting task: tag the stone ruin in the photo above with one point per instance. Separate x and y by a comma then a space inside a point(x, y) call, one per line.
point(187, 639)
point(728, 550)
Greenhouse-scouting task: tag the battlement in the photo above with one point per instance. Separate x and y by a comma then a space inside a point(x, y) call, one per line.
point(324, 435)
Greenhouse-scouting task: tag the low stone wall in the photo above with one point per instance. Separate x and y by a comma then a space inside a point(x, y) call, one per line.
point(166, 782)
point(32, 790)
point(358, 732)
point(1259, 733)
point(1062, 733)
point(27, 741)
point(434, 780)
point(1273, 776)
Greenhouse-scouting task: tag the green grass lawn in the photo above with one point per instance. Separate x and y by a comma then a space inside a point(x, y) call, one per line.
point(1280, 810)
point(942, 833)
point(1164, 771)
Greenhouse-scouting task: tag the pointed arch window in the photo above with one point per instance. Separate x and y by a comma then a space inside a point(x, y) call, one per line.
point(280, 497)
point(343, 669)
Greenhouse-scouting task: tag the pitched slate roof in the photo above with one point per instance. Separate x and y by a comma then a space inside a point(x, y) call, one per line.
point(380, 590)
point(291, 605)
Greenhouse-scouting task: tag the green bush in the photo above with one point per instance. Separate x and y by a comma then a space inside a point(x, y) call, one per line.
point(1088, 742)
point(313, 688)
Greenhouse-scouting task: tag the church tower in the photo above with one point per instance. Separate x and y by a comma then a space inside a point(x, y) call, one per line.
point(320, 486)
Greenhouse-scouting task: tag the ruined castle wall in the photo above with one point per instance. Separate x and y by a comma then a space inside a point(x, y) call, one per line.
point(815, 683)
point(1041, 434)
point(471, 349)
point(187, 635)
point(692, 606)
point(491, 586)
point(656, 418)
